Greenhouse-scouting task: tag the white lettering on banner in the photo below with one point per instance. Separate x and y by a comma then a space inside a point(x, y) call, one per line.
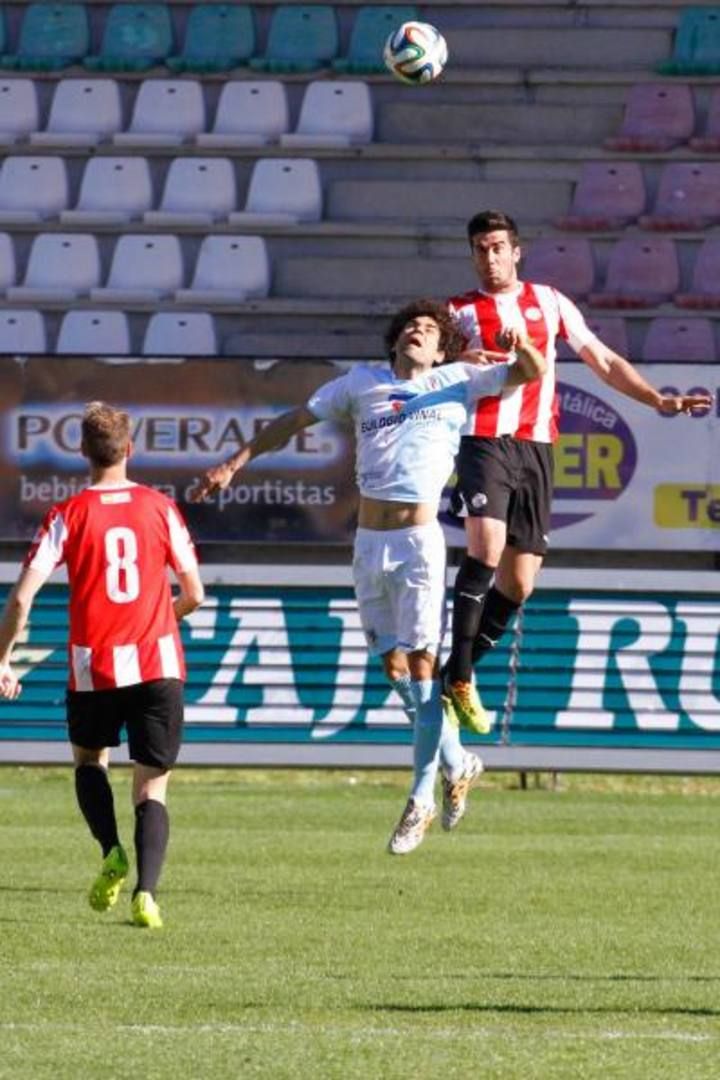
point(702, 622)
point(596, 621)
point(352, 662)
point(271, 641)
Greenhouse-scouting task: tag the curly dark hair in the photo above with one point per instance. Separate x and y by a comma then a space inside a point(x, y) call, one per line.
point(451, 340)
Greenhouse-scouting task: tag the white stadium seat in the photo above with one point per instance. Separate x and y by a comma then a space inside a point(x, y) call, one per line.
point(182, 333)
point(198, 191)
point(282, 191)
point(102, 333)
point(333, 113)
point(166, 113)
point(19, 114)
point(114, 190)
point(61, 267)
point(248, 114)
point(84, 112)
point(32, 189)
point(229, 269)
point(144, 269)
point(22, 331)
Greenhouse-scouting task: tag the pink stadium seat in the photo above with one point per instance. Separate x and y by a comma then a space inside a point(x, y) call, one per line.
point(608, 195)
point(705, 285)
point(612, 331)
point(657, 116)
point(688, 197)
point(643, 271)
point(565, 262)
point(671, 339)
point(709, 142)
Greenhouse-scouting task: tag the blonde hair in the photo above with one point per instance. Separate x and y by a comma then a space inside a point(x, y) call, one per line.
point(105, 434)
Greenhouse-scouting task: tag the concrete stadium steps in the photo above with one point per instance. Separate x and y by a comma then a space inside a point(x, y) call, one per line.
point(498, 122)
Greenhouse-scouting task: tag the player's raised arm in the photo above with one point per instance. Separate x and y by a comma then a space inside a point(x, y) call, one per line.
point(619, 373)
point(272, 437)
point(530, 363)
point(12, 623)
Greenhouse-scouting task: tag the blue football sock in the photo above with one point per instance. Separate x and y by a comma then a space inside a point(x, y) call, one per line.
point(426, 740)
point(452, 755)
point(403, 688)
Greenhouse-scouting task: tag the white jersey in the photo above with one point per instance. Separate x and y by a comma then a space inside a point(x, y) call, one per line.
point(407, 430)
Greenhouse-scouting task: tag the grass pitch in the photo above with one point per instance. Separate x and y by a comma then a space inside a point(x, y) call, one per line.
point(570, 933)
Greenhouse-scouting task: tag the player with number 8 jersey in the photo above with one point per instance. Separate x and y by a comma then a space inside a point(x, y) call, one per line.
point(117, 542)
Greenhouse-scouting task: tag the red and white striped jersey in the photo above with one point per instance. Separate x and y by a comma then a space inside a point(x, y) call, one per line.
point(528, 411)
point(118, 542)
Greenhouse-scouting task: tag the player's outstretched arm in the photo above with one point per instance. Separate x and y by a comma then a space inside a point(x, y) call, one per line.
point(272, 437)
point(530, 363)
point(619, 373)
point(12, 623)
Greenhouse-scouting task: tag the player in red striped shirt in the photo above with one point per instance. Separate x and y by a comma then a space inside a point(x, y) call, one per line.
point(118, 540)
point(504, 466)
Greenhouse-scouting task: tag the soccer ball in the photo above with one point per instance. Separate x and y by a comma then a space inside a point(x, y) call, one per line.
point(415, 53)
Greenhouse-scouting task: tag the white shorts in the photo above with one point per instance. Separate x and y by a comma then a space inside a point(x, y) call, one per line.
point(400, 587)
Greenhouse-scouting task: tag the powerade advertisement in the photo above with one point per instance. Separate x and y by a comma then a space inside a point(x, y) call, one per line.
point(626, 477)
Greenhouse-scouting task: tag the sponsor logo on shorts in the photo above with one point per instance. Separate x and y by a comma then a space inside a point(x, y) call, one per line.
point(479, 500)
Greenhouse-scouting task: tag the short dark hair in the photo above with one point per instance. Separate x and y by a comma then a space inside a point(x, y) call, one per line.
point(105, 434)
point(451, 340)
point(492, 221)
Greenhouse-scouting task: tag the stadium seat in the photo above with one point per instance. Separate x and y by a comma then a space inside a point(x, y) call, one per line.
point(709, 141)
point(181, 333)
point(52, 36)
point(19, 115)
point(144, 269)
point(566, 263)
point(302, 37)
point(642, 272)
point(229, 269)
point(669, 340)
point(84, 112)
point(608, 195)
point(704, 290)
point(248, 114)
point(32, 189)
point(218, 37)
point(282, 191)
point(113, 191)
point(657, 117)
point(102, 333)
point(612, 331)
point(22, 331)
point(61, 267)
point(334, 113)
point(198, 191)
point(166, 113)
point(136, 37)
point(371, 29)
point(696, 50)
point(688, 197)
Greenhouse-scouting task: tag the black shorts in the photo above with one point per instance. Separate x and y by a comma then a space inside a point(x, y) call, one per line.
point(508, 479)
point(152, 712)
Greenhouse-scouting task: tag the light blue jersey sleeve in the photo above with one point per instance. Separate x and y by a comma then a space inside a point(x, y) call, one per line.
point(333, 400)
point(486, 381)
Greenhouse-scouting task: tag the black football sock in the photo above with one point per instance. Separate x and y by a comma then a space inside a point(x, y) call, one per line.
point(471, 585)
point(497, 613)
point(95, 799)
point(152, 830)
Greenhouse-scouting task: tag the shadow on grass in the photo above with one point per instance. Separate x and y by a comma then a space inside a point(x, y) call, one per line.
point(574, 977)
point(542, 1010)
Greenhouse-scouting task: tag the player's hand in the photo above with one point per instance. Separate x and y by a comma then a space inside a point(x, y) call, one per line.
point(10, 686)
point(674, 404)
point(214, 480)
point(482, 357)
point(510, 338)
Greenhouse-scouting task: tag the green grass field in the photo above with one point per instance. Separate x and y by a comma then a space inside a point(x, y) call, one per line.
point(569, 933)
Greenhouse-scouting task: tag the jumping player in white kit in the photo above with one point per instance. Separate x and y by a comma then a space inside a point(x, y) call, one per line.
point(407, 417)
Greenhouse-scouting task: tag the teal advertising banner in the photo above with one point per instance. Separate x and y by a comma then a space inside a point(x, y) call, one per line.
point(281, 676)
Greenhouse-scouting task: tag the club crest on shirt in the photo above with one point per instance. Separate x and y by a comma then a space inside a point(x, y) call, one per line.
point(533, 314)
